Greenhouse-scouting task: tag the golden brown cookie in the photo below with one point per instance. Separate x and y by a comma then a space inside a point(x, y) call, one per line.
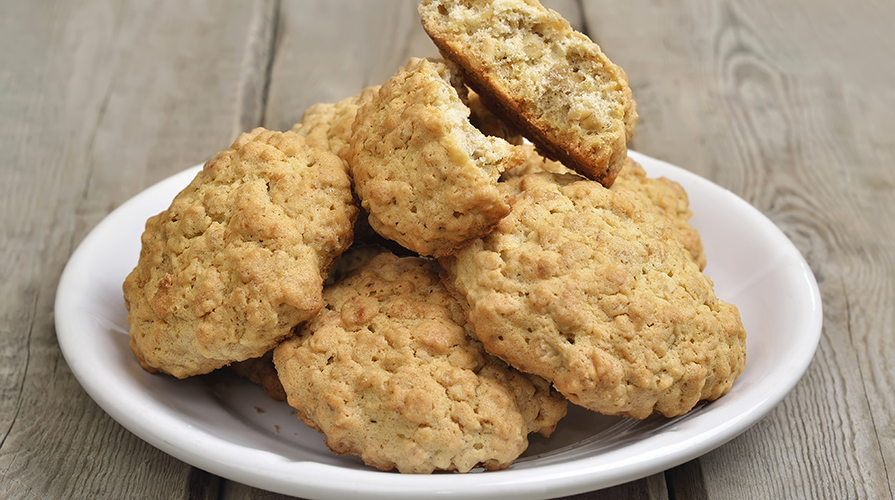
point(542, 77)
point(240, 256)
point(387, 371)
point(662, 194)
point(590, 289)
point(425, 174)
point(328, 125)
point(665, 196)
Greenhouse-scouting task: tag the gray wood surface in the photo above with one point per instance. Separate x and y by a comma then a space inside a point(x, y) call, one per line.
point(788, 104)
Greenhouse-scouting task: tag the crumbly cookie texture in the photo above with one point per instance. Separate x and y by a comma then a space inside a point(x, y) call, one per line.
point(665, 196)
point(240, 256)
point(328, 125)
point(590, 289)
point(388, 371)
point(660, 194)
point(425, 174)
point(544, 78)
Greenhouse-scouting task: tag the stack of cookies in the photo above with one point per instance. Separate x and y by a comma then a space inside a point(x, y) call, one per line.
point(423, 287)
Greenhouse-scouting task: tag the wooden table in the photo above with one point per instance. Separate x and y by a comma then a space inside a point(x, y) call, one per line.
point(790, 105)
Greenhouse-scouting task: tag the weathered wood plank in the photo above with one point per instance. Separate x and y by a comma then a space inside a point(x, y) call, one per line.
point(98, 100)
point(771, 101)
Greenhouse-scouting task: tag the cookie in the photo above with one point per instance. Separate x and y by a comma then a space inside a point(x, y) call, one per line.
point(541, 76)
point(240, 256)
point(328, 125)
point(424, 173)
point(590, 289)
point(665, 196)
point(660, 194)
point(388, 371)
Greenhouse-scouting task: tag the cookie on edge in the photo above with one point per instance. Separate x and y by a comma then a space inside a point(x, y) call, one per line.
point(388, 371)
point(591, 290)
point(239, 257)
point(541, 76)
point(426, 176)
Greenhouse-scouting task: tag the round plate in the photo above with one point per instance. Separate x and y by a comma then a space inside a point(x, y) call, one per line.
point(229, 427)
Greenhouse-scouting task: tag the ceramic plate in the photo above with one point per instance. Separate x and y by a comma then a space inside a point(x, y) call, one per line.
point(228, 427)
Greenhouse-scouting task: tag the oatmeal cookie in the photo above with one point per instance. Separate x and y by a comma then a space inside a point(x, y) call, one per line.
point(665, 196)
point(590, 289)
point(659, 194)
point(542, 77)
point(328, 125)
point(240, 256)
point(388, 371)
point(425, 174)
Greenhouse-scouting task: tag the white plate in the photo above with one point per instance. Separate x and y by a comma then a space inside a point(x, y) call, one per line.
point(229, 427)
